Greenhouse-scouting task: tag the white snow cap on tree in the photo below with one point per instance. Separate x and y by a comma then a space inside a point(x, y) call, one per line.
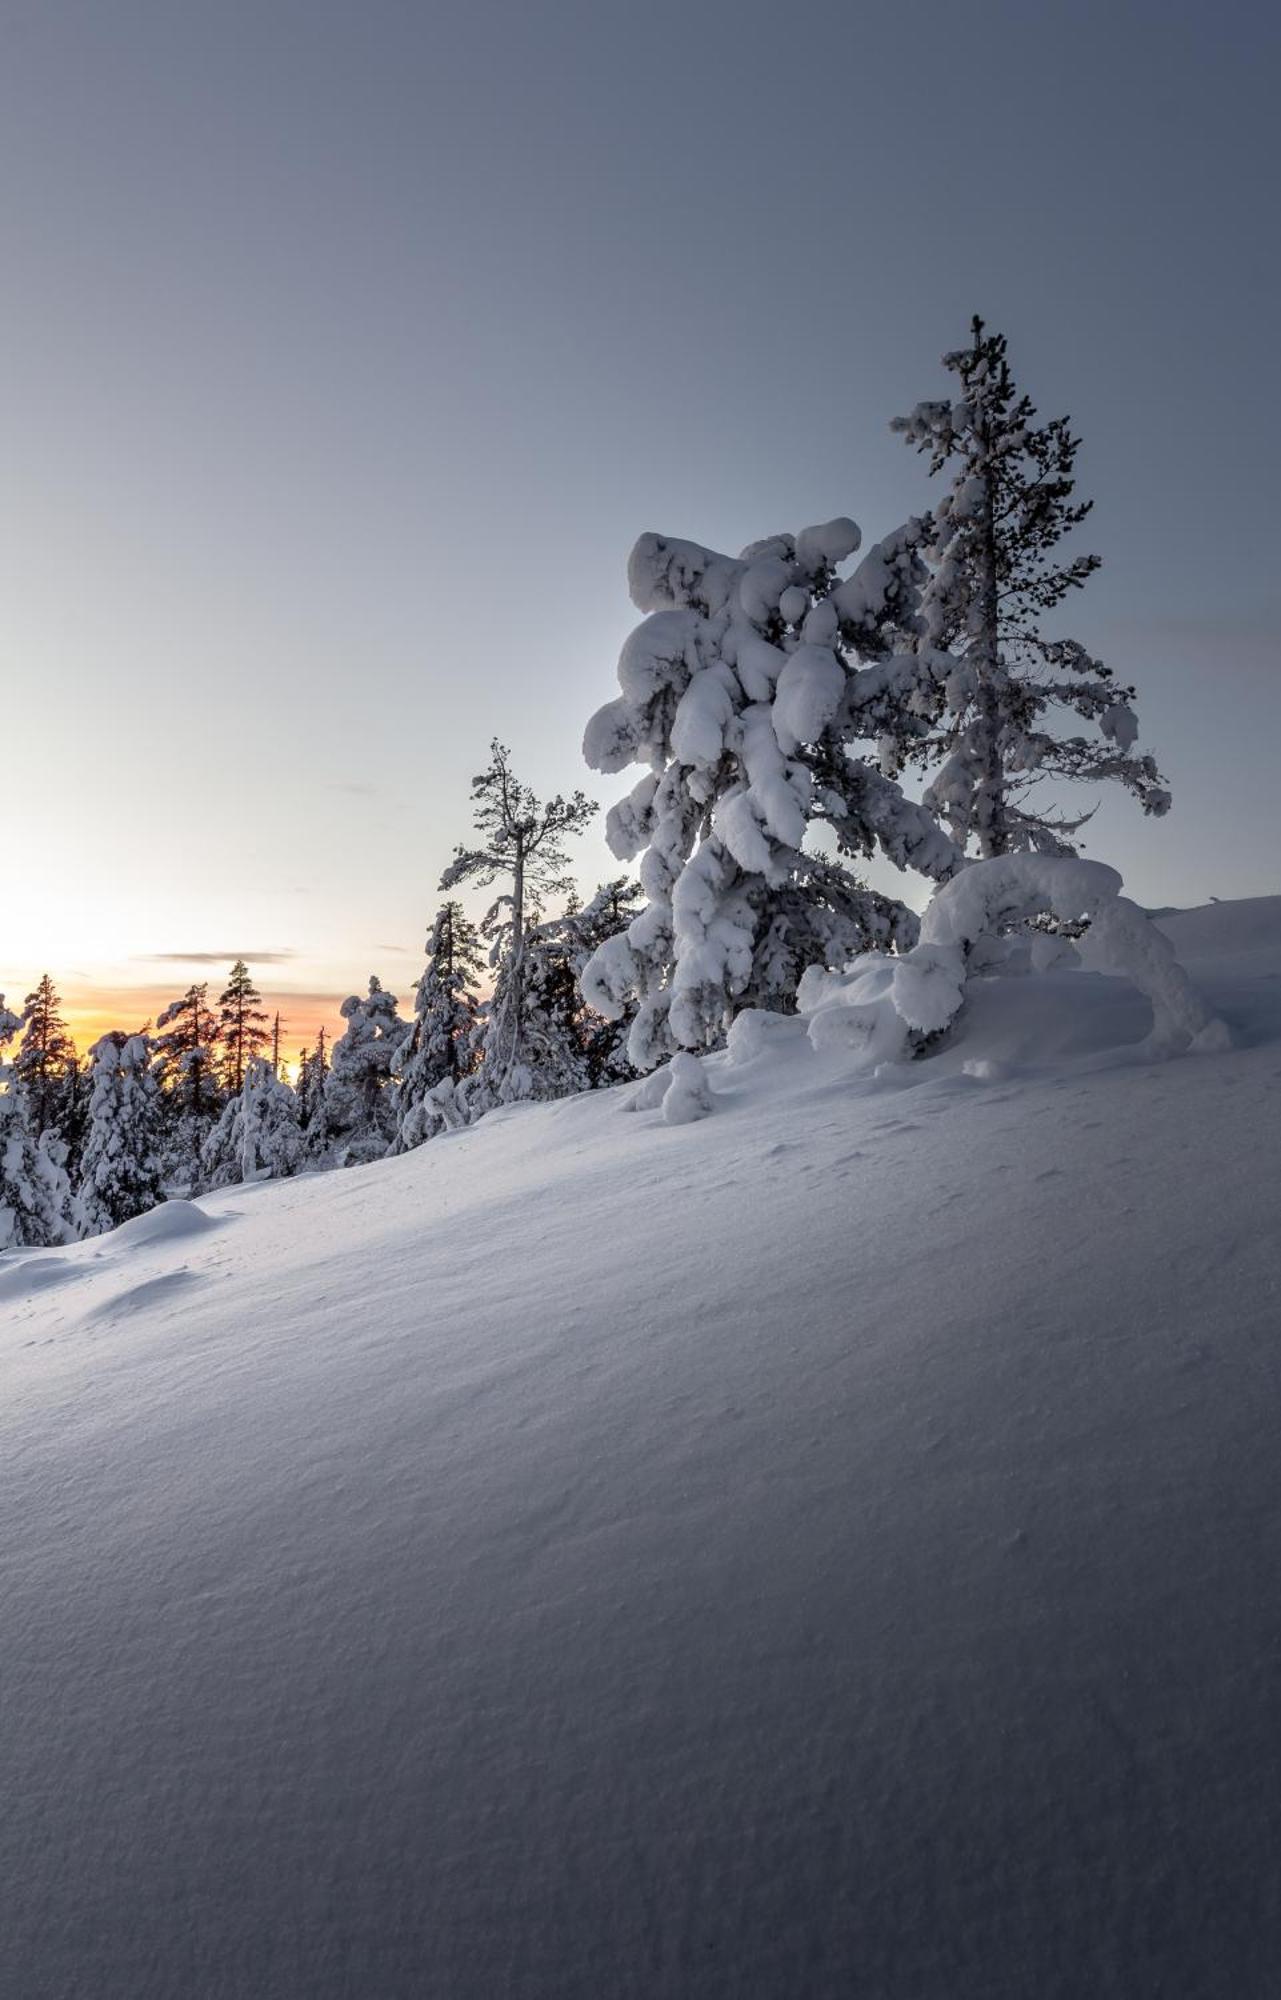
point(120, 1173)
point(360, 1101)
point(35, 1196)
point(257, 1136)
point(885, 1008)
point(741, 691)
point(439, 1047)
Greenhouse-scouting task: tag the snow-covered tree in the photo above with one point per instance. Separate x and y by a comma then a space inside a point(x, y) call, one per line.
point(743, 690)
point(45, 1063)
point(440, 1047)
point(313, 1102)
point(35, 1195)
point(121, 1169)
point(186, 1071)
point(572, 1047)
point(522, 844)
point(996, 571)
point(257, 1136)
point(242, 1026)
point(361, 1104)
point(273, 1143)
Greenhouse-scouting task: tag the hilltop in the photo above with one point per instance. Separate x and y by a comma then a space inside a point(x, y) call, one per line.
point(827, 1549)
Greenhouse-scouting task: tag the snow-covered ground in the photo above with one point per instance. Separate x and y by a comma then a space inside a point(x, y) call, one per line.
point(829, 1549)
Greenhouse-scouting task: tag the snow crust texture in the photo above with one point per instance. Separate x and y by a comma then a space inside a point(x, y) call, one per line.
point(827, 1550)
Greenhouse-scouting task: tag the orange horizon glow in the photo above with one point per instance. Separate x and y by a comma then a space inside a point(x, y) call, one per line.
point(91, 1011)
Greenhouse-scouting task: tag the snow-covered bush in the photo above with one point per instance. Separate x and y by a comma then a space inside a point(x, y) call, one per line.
point(742, 691)
point(888, 1008)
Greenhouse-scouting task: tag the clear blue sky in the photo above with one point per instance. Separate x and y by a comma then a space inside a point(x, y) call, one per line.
point(347, 348)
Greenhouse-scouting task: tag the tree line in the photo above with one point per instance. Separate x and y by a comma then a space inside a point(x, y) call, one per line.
point(776, 700)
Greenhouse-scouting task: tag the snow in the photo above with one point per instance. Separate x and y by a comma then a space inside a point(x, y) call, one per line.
point(876, 1004)
point(827, 1549)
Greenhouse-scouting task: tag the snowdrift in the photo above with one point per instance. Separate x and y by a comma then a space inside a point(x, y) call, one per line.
point(825, 1549)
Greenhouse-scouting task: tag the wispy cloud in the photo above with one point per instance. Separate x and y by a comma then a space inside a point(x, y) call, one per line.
point(277, 957)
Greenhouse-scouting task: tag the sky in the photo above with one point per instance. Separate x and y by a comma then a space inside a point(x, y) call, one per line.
point(347, 348)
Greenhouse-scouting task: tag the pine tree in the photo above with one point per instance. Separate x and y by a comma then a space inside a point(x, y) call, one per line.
point(187, 1075)
point(743, 690)
point(523, 843)
point(996, 571)
point(361, 1103)
point(273, 1139)
point(440, 1047)
point(35, 1194)
point(574, 1047)
point(242, 1027)
point(257, 1136)
point(313, 1102)
point(44, 1065)
point(121, 1171)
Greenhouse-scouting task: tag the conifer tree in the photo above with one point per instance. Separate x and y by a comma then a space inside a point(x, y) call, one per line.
point(185, 1069)
point(574, 1047)
point(523, 844)
point(996, 571)
point(440, 1047)
point(745, 690)
point(313, 1102)
point(273, 1140)
point(242, 1027)
point(257, 1135)
point(45, 1063)
point(360, 1102)
point(35, 1194)
point(121, 1169)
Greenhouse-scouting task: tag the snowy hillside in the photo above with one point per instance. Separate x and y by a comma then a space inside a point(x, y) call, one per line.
point(829, 1549)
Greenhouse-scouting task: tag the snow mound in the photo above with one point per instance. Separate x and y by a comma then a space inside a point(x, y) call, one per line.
point(824, 1550)
point(883, 1009)
point(166, 1224)
point(1223, 930)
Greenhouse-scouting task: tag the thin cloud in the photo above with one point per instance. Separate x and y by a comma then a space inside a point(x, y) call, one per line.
point(212, 957)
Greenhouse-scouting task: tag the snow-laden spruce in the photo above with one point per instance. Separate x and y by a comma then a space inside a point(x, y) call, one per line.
point(742, 690)
point(35, 1195)
point(312, 1102)
point(360, 1103)
point(257, 1136)
point(186, 1070)
point(994, 575)
point(121, 1173)
point(571, 1046)
point(439, 1049)
point(888, 1008)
